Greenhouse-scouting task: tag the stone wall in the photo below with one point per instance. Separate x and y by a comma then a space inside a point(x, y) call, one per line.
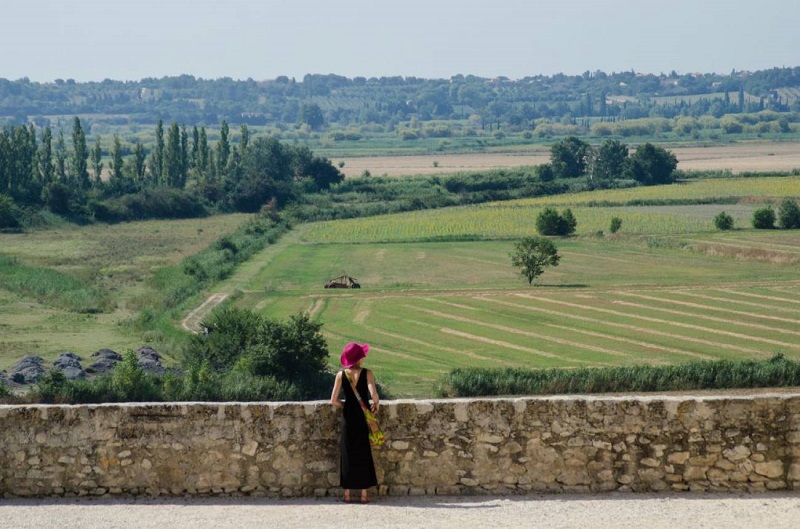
point(475, 446)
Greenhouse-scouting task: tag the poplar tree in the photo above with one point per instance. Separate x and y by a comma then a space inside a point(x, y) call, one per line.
point(157, 156)
point(80, 155)
point(139, 165)
point(223, 148)
point(61, 158)
point(45, 157)
point(203, 152)
point(184, 156)
point(116, 164)
point(193, 160)
point(97, 160)
point(244, 141)
point(172, 156)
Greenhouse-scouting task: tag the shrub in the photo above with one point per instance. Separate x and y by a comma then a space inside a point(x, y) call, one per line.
point(764, 218)
point(550, 222)
point(723, 221)
point(293, 353)
point(616, 224)
point(130, 383)
point(9, 213)
point(789, 214)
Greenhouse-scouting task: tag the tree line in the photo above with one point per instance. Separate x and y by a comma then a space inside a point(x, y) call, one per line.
point(181, 175)
point(320, 100)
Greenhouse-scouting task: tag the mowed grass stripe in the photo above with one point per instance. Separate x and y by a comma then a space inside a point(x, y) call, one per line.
point(514, 356)
point(766, 240)
point(438, 347)
point(605, 336)
point(429, 332)
point(513, 330)
point(501, 343)
point(733, 301)
point(714, 308)
point(666, 323)
point(634, 328)
point(508, 345)
point(602, 336)
point(780, 255)
point(760, 296)
point(525, 319)
point(696, 327)
point(718, 320)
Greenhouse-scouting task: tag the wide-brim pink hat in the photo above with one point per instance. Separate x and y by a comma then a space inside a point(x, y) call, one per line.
point(353, 353)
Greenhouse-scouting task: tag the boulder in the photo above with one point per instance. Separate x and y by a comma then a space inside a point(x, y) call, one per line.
point(150, 360)
point(106, 360)
point(70, 365)
point(67, 360)
point(28, 370)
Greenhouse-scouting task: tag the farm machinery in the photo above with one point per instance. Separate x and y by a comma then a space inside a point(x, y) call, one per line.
point(343, 281)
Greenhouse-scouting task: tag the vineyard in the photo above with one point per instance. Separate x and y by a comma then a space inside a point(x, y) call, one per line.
point(514, 219)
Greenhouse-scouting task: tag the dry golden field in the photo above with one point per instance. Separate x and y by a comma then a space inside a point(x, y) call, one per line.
point(754, 156)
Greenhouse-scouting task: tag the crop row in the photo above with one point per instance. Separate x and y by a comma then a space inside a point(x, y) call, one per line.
point(516, 220)
point(418, 338)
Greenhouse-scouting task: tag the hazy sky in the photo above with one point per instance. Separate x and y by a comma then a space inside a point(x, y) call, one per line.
point(91, 40)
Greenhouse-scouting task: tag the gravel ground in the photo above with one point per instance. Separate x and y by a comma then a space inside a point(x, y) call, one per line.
point(619, 511)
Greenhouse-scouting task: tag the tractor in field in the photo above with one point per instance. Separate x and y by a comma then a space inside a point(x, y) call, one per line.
point(343, 281)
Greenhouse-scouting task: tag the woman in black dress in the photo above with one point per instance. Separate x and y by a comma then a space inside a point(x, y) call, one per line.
point(356, 469)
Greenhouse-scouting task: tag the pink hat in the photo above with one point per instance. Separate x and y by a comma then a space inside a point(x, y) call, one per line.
point(353, 353)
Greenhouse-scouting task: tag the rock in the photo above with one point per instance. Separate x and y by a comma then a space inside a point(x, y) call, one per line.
point(106, 360)
point(70, 365)
point(28, 370)
point(67, 359)
point(150, 360)
point(107, 353)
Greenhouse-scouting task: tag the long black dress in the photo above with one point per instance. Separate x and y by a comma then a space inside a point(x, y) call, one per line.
point(356, 468)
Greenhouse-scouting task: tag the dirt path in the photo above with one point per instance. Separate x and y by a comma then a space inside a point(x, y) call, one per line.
point(243, 276)
point(618, 511)
point(193, 320)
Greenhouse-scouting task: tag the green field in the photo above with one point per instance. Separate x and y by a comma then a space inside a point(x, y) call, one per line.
point(438, 290)
point(668, 288)
point(118, 259)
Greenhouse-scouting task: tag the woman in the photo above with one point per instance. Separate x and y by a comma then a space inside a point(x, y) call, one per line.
point(356, 469)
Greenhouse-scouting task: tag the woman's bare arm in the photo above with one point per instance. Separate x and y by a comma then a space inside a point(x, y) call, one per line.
point(337, 387)
point(373, 391)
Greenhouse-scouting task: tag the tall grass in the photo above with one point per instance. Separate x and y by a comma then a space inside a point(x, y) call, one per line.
point(474, 382)
point(172, 286)
point(51, 287)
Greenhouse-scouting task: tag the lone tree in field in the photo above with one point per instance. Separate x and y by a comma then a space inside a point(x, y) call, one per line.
point(532, 254)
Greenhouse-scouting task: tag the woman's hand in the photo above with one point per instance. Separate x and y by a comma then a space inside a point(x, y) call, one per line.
point(375, 407)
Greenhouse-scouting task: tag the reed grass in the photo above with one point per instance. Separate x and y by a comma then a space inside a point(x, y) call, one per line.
point(51, 287)
point(777, 371)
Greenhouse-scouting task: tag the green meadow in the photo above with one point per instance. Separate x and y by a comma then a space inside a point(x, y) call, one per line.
point(438, 291)
point(41, 315)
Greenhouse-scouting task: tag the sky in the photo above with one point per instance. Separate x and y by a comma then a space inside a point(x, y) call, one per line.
point(92, 40)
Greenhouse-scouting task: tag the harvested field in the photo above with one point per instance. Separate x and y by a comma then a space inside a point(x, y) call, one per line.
point(739, 157)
